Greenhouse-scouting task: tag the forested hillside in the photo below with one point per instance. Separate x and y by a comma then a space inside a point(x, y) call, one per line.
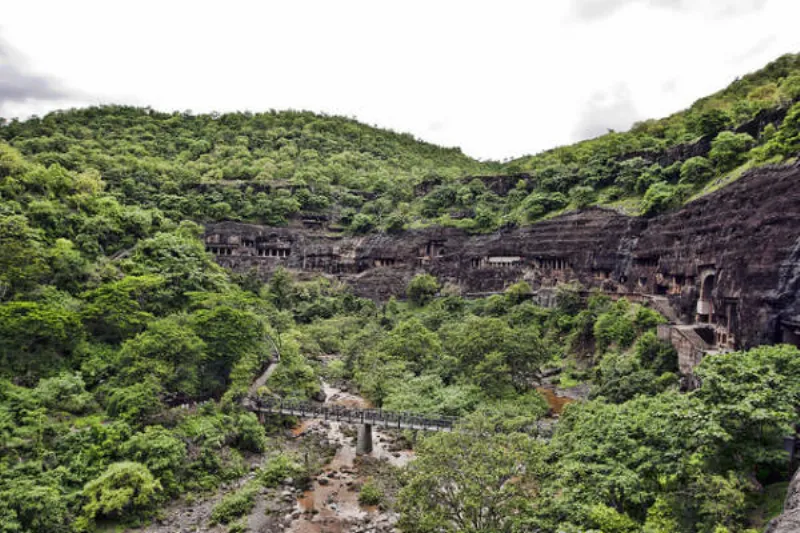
point(270, 167)
point(125, 349)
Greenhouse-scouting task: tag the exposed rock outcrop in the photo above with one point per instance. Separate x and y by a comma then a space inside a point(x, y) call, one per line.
point(729, 261)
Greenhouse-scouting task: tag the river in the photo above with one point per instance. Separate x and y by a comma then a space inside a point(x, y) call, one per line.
point(331, 504)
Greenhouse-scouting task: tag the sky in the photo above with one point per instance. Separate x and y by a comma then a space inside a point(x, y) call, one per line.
point(498, 79)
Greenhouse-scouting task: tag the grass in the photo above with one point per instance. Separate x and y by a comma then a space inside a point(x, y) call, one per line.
point(630, 205)
point(721, 181)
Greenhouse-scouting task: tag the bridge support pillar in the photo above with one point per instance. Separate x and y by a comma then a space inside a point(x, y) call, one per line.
point(364, 442)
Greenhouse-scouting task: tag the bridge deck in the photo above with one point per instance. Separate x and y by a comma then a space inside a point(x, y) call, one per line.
point(352, 415)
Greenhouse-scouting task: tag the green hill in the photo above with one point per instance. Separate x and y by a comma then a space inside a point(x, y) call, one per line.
point(270, 167)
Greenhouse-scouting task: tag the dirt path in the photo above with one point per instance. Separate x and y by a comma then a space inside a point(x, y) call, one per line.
point(262, 379)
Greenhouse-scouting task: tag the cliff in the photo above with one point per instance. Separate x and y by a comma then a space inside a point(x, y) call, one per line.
point(729, 261)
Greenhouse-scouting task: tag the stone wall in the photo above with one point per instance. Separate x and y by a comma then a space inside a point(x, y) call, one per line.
point(742, 243)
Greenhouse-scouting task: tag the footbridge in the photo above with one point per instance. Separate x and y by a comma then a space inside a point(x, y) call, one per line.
point(366, 418)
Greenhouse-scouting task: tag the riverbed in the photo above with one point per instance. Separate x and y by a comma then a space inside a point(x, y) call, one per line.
point(331, 504)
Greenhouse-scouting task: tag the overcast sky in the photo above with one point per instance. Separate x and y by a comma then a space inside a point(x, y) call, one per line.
point(496, 78)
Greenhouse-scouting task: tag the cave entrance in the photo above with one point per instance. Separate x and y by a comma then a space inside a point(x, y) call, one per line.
point(705, 305)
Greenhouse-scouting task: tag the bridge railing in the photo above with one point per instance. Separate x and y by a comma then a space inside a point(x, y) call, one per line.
point(398, 419)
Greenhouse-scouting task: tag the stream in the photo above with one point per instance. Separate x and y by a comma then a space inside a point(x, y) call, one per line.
point(331, 504)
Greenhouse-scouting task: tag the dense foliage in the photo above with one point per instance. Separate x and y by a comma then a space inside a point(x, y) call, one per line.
point(124, 348)
point(275, 166)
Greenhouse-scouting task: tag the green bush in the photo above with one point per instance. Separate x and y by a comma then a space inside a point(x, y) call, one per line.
point(660, 197)
point(278, 468)
point(696, 170)
point(370, 493)
point(123, 487)
point(728, 149)
point(422, 289)
point(235, 505)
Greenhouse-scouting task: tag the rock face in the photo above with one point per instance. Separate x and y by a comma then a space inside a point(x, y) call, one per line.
point(789, 521)
point(727, 263)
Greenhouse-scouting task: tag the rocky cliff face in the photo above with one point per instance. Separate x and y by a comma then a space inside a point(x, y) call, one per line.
point(730, 260)
point(789, 520)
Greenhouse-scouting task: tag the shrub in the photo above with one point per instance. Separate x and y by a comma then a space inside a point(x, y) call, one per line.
point(519, 292)
point(422, 289)
point(370, 493)
point(123, 487)
point(234, 505)
point(278, 468)
point(728, 149)
point(582, 196)
point(696, 170)
point(160, 451)
point(659, 197)
point(362, 223)
point(250, 433)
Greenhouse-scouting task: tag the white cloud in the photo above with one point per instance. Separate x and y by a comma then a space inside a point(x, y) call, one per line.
point(607, 110)
point(497, 79)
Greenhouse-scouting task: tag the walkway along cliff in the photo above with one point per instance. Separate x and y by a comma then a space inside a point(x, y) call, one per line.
point(725, 268)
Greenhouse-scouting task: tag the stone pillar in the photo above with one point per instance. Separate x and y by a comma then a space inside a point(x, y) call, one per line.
point(364, 442)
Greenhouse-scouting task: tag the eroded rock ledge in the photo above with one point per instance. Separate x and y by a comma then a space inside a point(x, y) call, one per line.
point(726, 266)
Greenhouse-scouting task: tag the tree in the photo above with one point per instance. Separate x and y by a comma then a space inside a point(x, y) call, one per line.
point(36, 339)
point(280, 288)
point(124, 487)
point(753, 396)
point(623, 455)
point(183, 263)
point(65, 392)
point(135, 403)
point(230, 335)
point(32, 506)
point(660, 197)
point(170, 351)
point(414, 344)
point(582, 196)
point(161, 452)
point(23, 263)
point(525, 353)
point(422, 289)
point(728, 149)
point(471, 482)
point(120, 309)
point(708, 123)
point(696, 170)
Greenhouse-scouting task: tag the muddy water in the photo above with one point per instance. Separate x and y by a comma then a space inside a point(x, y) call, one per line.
point(331, 506)
point(555, 401)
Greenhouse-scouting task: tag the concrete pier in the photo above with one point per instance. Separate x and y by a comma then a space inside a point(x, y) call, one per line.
point(364, 442)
